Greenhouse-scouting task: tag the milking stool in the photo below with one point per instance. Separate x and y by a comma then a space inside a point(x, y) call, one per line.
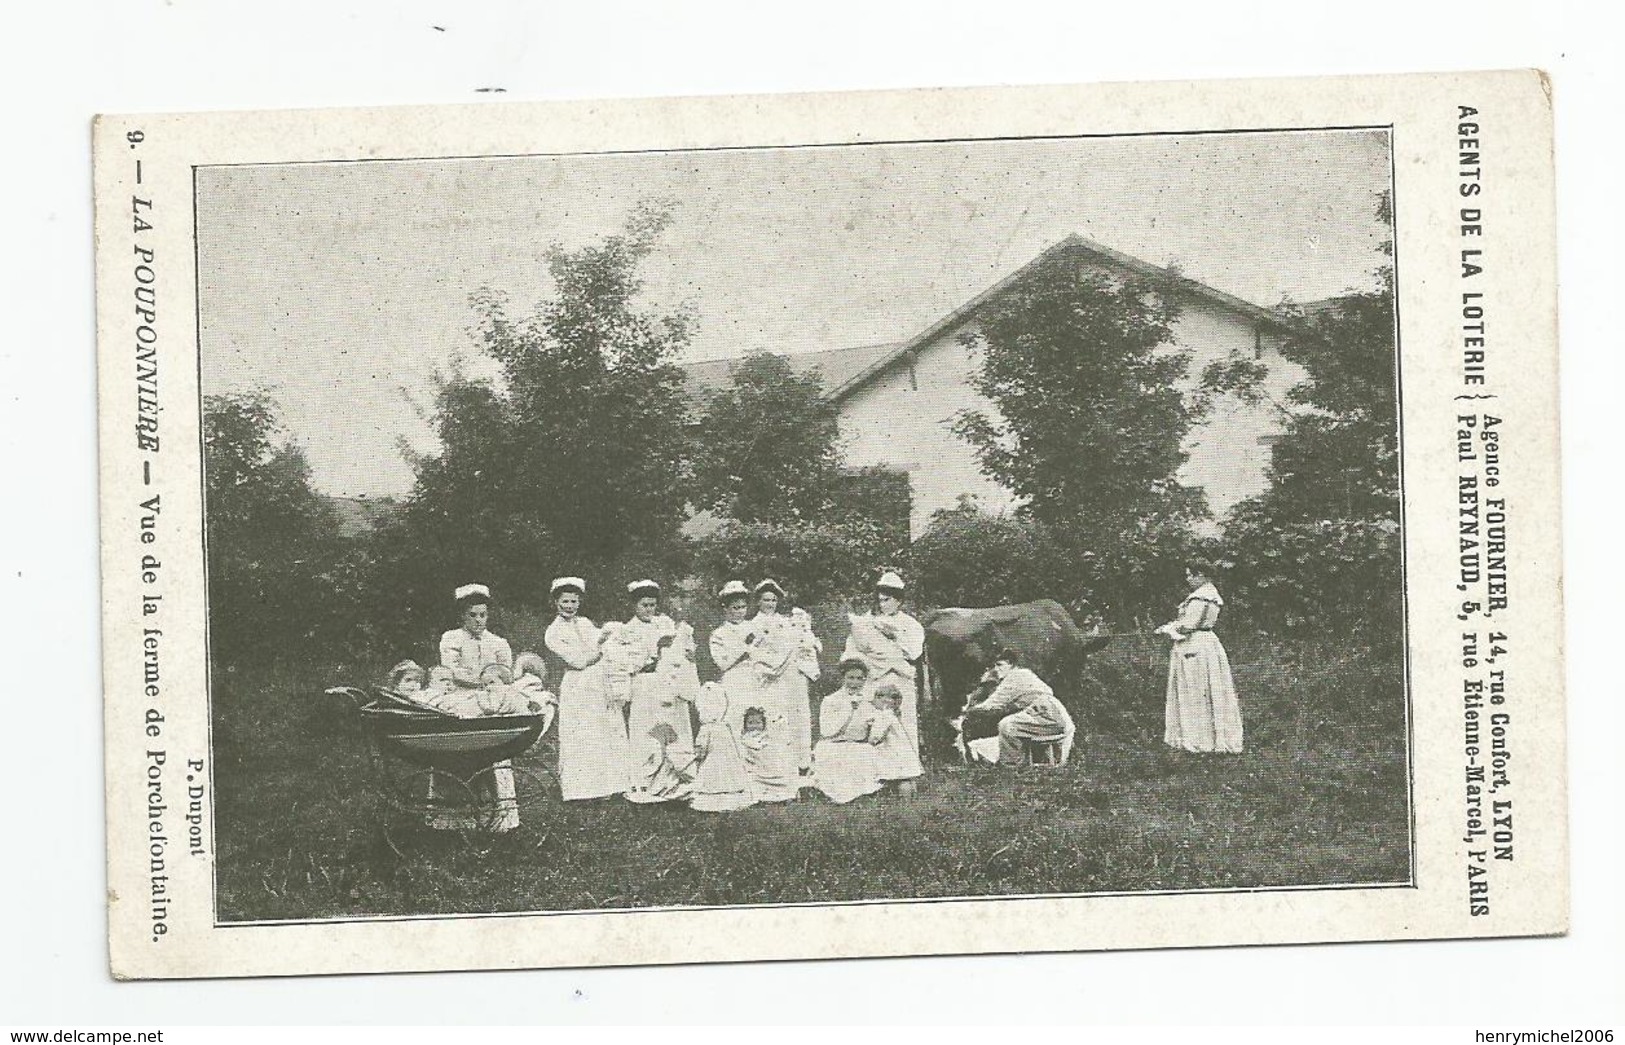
point(1046, 753)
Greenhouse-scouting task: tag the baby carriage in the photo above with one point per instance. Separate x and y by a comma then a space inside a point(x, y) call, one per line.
point(450, 773)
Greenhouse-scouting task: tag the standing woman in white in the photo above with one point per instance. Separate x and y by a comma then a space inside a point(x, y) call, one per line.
point(786, 657)
point(592, 729)
point(891, 643)
point(731, 644)
point(658, 698)
point(1203, 712)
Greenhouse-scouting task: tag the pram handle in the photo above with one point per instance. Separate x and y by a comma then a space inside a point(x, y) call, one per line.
point(356, 696)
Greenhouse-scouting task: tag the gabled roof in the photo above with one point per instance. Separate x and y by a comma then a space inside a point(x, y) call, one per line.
point(362, 515)
point(835, 367)
point(1073, 247)
point(846, 370)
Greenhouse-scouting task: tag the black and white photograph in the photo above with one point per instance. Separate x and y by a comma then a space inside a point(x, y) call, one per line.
point(899, 521)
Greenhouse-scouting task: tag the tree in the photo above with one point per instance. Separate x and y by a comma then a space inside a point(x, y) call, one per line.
point(1089, 425)
point(274, 551)
point(575, 459)
point(1322, 543)
point(769, 445)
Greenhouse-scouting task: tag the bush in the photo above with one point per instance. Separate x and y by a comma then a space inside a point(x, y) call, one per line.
point(969, 557)
point(1329, 575)
point(815, 562)
point(282, 579)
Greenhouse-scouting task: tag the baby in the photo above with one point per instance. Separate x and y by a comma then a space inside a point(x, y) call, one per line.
point(621, 661)
point(666, 782)
point(531, 684)
point(720, 782)
point(530, 675)
point(406, 677)
point(768, 760)
point(808, 645)
point(895, 757)
point(497, 695)
point(443, 694)
point(677, 664)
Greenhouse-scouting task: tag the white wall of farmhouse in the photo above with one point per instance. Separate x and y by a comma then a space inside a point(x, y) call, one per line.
point(901, 419)
point(1230, 451)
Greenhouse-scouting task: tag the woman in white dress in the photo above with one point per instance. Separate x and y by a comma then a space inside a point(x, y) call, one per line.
point(593, 749)
point(847, 768)
point(890, 642)
point(731, 644)
point(786, 656)
point(651, 652)
point(467, 651)
point(1203, 712)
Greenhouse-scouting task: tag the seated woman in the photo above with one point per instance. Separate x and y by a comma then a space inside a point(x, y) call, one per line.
point(468, 649)
point(844, 766)
point(1027, 710)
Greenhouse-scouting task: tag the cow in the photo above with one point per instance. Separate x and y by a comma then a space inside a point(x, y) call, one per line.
point(960, 645)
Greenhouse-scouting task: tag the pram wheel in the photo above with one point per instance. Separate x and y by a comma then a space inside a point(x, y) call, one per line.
point(435, 799)
point(513, 795)
point(445, 774)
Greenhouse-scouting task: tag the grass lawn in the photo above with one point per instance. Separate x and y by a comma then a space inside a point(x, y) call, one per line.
point(1319, 797)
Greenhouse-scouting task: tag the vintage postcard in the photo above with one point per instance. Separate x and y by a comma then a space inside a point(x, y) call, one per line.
point(744, 528)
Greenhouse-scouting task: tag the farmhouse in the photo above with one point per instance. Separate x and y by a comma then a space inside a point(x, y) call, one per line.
point(898, 400)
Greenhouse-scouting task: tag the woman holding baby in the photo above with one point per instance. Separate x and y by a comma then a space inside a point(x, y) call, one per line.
point(593, 751)
point(785, 657)
point(651, 659)
point(890, 643)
